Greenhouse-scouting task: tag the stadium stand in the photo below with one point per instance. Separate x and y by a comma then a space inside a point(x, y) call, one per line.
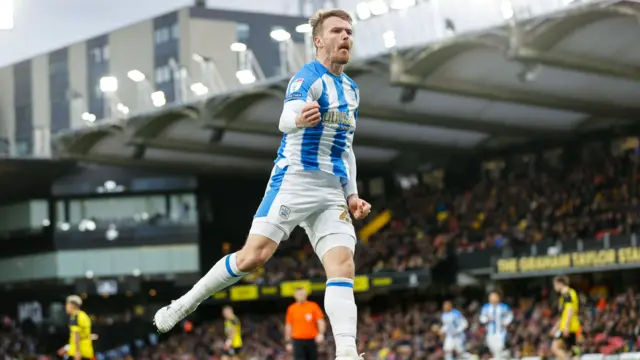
point(505, 171)
point(593, 197)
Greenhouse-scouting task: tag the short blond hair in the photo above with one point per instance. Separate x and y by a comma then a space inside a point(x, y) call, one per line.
point(319, 17)
point(75, 300)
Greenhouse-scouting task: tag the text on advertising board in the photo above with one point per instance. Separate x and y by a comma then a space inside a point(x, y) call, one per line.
point(587, 259)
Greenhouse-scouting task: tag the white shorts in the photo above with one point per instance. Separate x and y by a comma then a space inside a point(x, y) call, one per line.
point(312, 199)
point(495, 343)
point(453, 343)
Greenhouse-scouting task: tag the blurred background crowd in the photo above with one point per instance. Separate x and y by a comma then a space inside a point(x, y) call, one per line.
point(392, 329)
point(428, 227)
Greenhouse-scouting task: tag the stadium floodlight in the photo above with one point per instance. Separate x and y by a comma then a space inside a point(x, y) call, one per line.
point(109, 84)
point(87, 225)
point(136, 75)
point(389, 38)
point(158, 99)
point(6, 14)
point(199, 89)
point(249, 69)
point(246, 77)
point(88, 117)
point(211, 78)
point(378, 7)
point(507, 10)
point(362, 9)
point(402, 4)
point(303, 28)
point(280, 35)
point(238, 47)
point(122, 108)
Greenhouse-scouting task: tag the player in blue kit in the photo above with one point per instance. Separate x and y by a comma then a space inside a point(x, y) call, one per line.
point(453, 326)
point(496, 316)
point(313, 185)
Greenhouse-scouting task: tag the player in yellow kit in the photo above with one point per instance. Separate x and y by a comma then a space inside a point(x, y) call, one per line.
point(568, 327)
point(233, 331)
point(80, 345)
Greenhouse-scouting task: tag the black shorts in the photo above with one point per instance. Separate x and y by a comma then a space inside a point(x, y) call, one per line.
point(233, 351)
point(570, 342)
point(305, 350)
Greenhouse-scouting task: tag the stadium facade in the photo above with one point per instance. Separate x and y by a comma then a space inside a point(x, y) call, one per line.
point(50, 93)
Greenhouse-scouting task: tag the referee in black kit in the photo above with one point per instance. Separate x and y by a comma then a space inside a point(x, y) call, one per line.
point(305, 327)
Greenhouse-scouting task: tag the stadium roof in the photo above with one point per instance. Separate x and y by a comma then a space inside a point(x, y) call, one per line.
point(22, 179)
point(545, 80)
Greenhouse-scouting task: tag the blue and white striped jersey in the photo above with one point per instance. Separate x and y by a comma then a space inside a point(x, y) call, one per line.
point(496, 317)
point(453, 323)
point(327, 146)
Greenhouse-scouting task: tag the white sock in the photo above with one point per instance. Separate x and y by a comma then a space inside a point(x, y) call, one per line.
point(448, 356)
point(340, 305)
point(222, 275)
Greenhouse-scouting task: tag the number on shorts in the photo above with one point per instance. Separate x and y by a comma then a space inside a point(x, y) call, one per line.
point(344, 215)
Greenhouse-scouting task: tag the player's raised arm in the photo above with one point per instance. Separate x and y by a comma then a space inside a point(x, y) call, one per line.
point(301, 108)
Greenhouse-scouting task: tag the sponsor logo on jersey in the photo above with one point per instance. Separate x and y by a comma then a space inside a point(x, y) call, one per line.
point(338, 117)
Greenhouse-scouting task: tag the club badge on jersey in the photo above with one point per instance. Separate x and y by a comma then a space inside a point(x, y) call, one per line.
point(295, 85)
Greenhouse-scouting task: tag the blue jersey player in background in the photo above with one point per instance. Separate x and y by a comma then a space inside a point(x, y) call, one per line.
point(453, 326)
point(313, 185)
point(496, 316)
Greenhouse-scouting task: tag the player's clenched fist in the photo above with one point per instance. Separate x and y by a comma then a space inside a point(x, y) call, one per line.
point(359, 208)
point(309, 116)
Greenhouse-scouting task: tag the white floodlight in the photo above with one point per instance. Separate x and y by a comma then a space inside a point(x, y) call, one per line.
point(7, 14)
point(507, 10)
point(245, 77)
point(109, 84)
point(280, 35)
point(303, 28)
point(402, 4)
point(389, 38)
point(136, 75)
point(362, 9)
point(378, 7)
point(199, 89)
point(158, 99)
point(89, 117)
point(122, 108)
point(238, 47)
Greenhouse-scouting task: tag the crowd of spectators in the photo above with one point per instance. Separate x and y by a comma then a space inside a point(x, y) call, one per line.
point(430, 221)
point(15, 344)
point(584, 199)
point(392, 330)
point(410, 331)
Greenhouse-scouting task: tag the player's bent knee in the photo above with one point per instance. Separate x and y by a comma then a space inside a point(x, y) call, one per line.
point(336, 252)
point(255, 252)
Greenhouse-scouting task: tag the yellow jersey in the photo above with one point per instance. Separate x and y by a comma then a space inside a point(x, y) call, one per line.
point(80, 324)
point(569, 300)
point(233, 329)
